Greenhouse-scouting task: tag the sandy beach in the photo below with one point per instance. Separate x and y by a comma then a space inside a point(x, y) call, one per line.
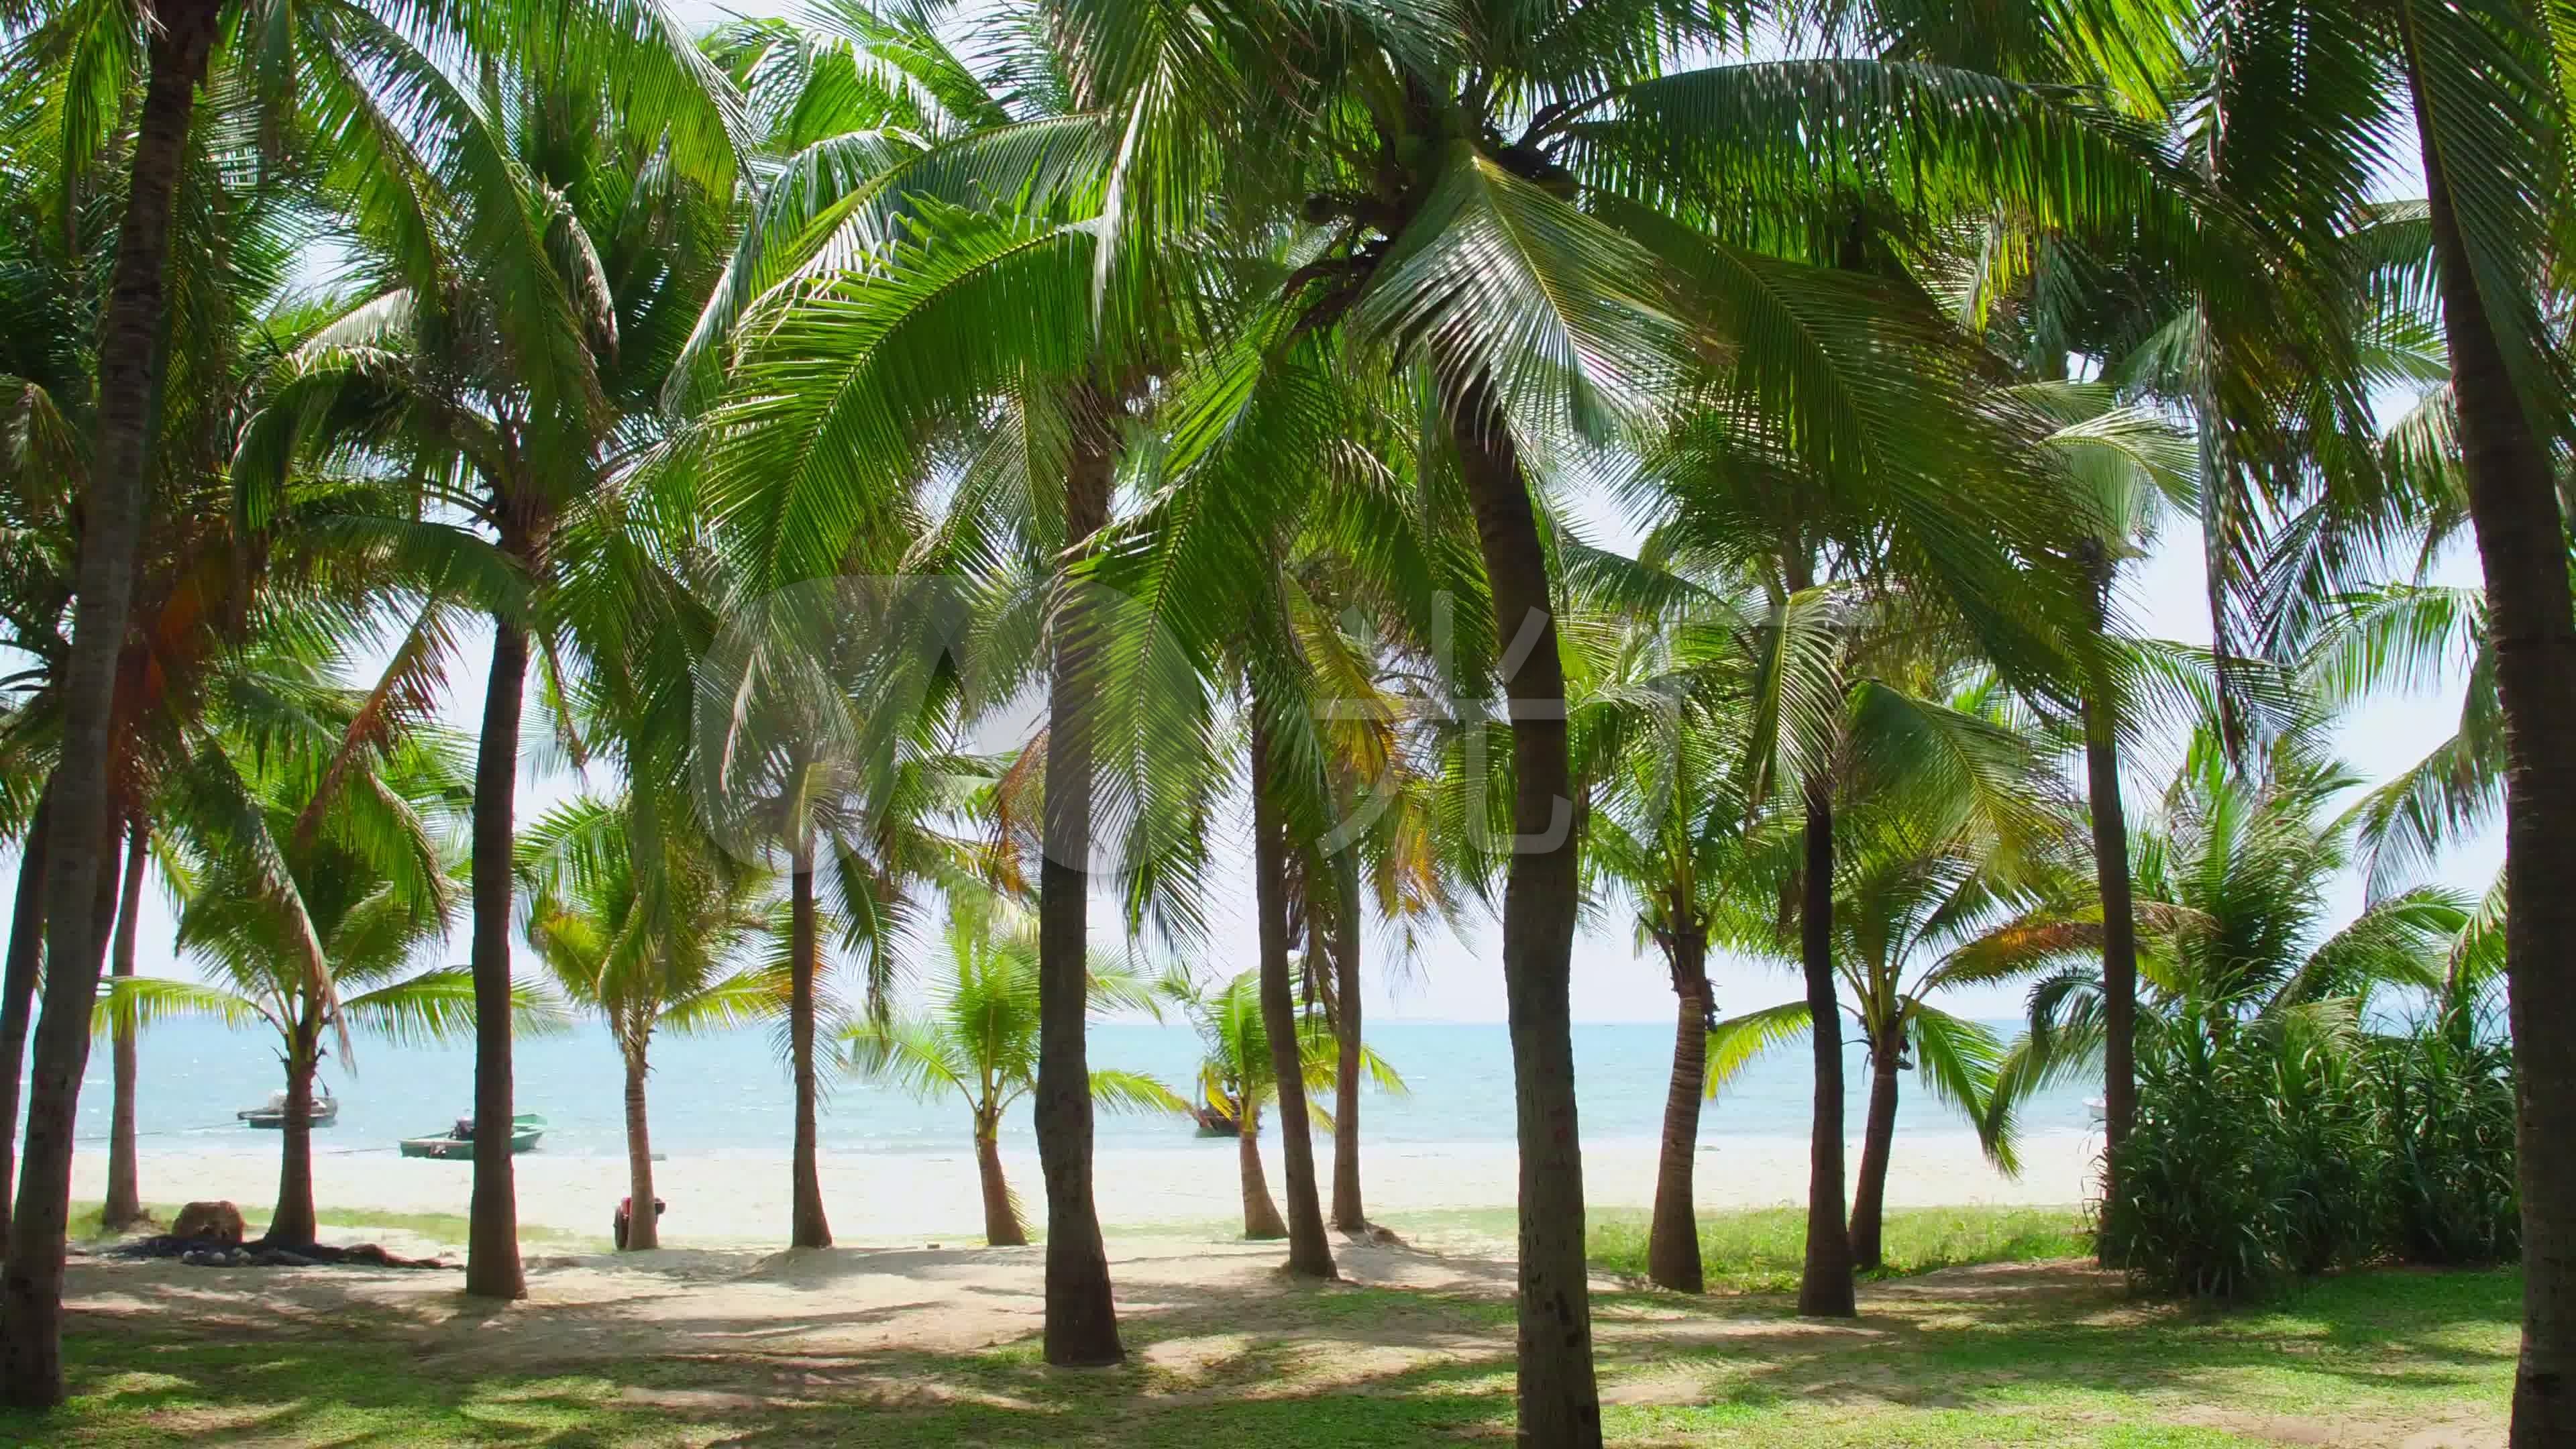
point(740, 1200)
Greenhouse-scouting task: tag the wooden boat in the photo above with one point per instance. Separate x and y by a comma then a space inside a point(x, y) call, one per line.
point(457, 1143)
point(326, 1110)
point(1213, 1123)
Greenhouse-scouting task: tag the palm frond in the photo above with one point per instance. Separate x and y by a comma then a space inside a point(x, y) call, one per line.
point(135, 1003)
point(1738, 1041)
point(1119, 1091)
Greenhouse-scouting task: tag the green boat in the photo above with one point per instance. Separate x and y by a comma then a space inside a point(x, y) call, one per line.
point(457, 1143)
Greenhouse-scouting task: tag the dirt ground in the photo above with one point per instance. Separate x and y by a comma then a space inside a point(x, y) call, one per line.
point(766, 1330)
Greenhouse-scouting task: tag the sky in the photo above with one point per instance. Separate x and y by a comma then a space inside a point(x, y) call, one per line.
point(1459, 978)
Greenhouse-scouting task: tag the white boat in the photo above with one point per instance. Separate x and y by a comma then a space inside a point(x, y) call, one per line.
point(272, 1113)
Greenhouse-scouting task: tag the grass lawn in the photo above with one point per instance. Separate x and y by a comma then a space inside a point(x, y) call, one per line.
point(2045, 1354)
point(443, 1227)
point(1761, 1250)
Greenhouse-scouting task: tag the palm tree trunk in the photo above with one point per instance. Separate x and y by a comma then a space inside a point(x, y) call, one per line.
point(1825, 1288)
point(1878, 1139)
point(1001, 1221)
point(1309, 1255)
point(1349, 1214)
point(102, 915)
point(1081, 1316)
point(1260, 1215)
point(18, 992)
point(2521, 533)
point(292, 1225)
point(807, 1227)
point(1672, 1240)
point(1560, 1400)
point(31, 1283)
point(2119, 920)
point(124, 1205)
point(492, 1231)
point(643, 1224)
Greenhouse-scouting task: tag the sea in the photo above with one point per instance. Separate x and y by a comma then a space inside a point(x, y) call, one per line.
point(728, 1093)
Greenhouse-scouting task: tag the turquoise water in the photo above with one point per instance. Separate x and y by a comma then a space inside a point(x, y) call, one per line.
point(729, 1093)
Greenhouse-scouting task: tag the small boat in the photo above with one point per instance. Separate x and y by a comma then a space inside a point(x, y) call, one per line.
point(272, 1113)
point(1215, 1123)
point(457, 1142)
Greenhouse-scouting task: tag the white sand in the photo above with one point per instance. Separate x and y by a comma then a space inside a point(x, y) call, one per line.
point(730, 1201)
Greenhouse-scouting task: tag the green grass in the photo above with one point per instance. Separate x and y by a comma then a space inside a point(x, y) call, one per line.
point(443, 1227)
point(1761, 1250)
point(2042, 1358)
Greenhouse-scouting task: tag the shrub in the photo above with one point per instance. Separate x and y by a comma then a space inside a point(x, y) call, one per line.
point(2331, 1140)
point(2284, 1146)
point(2202, 1209)
point(2447, 1094)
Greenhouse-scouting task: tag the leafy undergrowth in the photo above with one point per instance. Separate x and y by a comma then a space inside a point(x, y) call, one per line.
point(2042, 1356)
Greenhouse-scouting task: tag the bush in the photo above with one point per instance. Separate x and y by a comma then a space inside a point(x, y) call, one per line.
point(2447, 1093)
point(2269, 1149)
point(2203, 1204)
point(2330, 1137)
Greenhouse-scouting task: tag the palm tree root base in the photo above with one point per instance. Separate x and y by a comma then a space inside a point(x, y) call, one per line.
point(1376, 1233)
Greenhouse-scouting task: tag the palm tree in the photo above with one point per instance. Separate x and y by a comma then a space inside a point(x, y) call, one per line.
point(1917, 910)
point(2487, 105)
point(315, 936)
point(1843, 697)
point(333, 57)
point(1319, 734)
point(820, 745)
point(978, 1038)
point(635, 919)
point(2132, 465)
point(525, 300)
point(1270, 618)
point(1309, 1255)
point(1238, 1076)
point(1442, 167)
point(124, 1204)
point(1668, 829)
point(1398, 870)
point(66, 532)
point(1004, 338)
point(78, 841)
point(2492, 155)
point(204, 580)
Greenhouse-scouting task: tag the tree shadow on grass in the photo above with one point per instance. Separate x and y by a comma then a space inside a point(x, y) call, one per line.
point(2374, 1336)
point(1227, 1364)
point(348, 1391)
